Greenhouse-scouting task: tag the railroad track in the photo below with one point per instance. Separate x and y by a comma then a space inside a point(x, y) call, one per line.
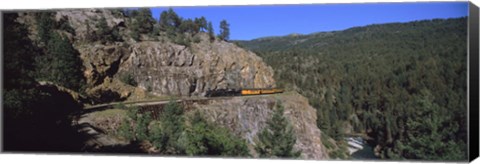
point(159, 102)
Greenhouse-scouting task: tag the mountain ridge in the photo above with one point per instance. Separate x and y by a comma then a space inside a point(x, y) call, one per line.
point(374, 79)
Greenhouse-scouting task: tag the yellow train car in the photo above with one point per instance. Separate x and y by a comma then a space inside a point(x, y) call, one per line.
point(267, 91)
point(278, 90)
point(251, 92)
point(260, 91)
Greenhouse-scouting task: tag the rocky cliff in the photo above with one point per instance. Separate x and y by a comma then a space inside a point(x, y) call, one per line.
point(170, 69)
point(159, 67)
point(247, 116)
point(244, 116)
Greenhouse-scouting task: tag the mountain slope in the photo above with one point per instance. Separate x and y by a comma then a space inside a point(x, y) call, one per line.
point(156, 63)
point(115, 58)
point(403, 84)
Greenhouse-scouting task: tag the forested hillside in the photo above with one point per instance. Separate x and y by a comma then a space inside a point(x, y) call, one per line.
point(63, 69)
point(403, 84)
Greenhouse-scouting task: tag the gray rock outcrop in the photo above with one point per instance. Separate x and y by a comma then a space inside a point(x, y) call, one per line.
point(170, 69)
point(247, 116)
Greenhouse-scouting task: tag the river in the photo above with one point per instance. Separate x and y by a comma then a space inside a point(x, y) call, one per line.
point(359, 149)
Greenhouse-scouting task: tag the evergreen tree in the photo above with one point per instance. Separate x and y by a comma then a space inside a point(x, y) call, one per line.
point(168, 138)
point(29, 109)
point(169, 20)
point(89, 36)
point(200, 24)
point(142, 122)
point(142, 23)
point(277, 139)
point(187, 26)
point(62, 64)
point(18, 70)
point(103, 30)
point(145, 20)
point(210, 31)
point(63, 24)
point(224, 30)
point(426, 138)
point(134, 33)
point(203, 138)
point(45, 25)
point(19, 53)
point(118, 12)
point(126, 130)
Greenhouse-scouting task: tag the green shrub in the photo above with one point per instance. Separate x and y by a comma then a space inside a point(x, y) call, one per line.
point(204, 138)
point(125, 130)
point(196, 39)
point(142, 122)
point(277, 139)
point(172, 126)
point(182, 40)
point(128, 79)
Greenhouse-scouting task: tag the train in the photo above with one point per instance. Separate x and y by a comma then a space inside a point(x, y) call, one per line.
point(242, 92)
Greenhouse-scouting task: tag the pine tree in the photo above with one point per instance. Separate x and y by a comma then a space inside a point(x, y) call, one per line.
point(224, 30)
point(142, 23)
point(89, 36)
point(200, 24)
point(62, 64)
point(19, 53)
point(187, 26)
point(170, 23)
point(103, 30)
point(204, 138)
point(210, 31)
point(142, 122)
point(18, 70)
point(168, 136)
point(145, 20)
point(277, 139)
point(426, 136)
point(45, 25)
point(169, 20)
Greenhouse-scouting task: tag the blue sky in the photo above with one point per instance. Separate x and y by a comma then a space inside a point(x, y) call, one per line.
point(250, 22)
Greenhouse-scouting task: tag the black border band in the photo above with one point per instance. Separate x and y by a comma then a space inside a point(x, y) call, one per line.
point(473, 19)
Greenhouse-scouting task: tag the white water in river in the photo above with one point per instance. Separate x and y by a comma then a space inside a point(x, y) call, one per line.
point(359, 149)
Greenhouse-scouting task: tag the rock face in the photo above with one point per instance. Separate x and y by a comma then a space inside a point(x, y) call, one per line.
point(243, 116)
point(165, 68)
point(161, 67)
point(170, 69)
point(246, 116)
point(79, 19)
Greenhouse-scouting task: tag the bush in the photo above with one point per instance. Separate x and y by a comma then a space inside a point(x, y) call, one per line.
point(171, 136)
point(204, 138)
point(125, 130)
point(182, 40)
point(64, 25)
point(45, 26)
point(143, 120)
point(128, 79)
point(117, 13)
point(196, 39)
point(61, 64)
point(172, 128)
point(135, 35)
point(277, 139)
